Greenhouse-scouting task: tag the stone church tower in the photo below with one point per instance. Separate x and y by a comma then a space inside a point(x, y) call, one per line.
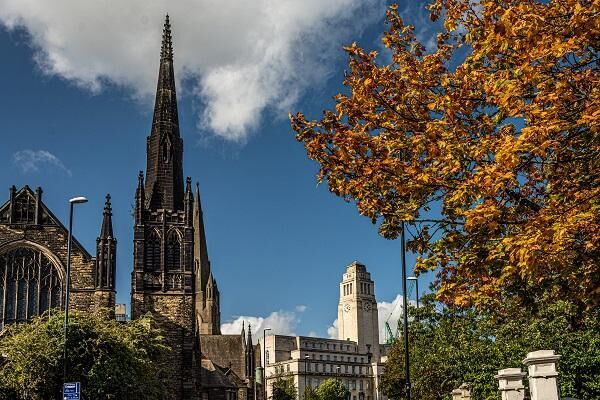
point(357, 310)
point(171, 276)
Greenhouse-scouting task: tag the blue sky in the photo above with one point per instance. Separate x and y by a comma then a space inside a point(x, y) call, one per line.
point(75, 115)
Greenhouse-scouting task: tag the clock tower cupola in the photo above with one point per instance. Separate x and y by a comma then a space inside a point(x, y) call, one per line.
point(357, 309)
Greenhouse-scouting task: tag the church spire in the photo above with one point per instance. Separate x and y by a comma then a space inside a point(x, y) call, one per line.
point(106, 251)
point(107, 229)
point(250, 361)
point(200, 248)
point(166, 50)
point(164, 172)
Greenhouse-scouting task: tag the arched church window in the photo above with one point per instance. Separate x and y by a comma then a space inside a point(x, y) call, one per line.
point(153, 251)
point(173, 252)
point(29, 285)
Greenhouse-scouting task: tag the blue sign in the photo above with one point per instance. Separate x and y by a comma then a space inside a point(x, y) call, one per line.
point(72, 391)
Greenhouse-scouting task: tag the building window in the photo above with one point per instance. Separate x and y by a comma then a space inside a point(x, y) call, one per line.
point(173, 257)
point(29, 285)
point(153, 251)
point(353, 384)
point(288, 367)
point(360, 384)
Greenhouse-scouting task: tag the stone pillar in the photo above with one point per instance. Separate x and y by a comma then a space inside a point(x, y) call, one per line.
point(462, 393)
point(510, 383)
point(543, 376)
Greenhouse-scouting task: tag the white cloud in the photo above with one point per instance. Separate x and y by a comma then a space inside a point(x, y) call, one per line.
point(389, 312)
point(243, 57)
point(281, 323)
point(332, 331)
point(301, 308)
point(32, 160)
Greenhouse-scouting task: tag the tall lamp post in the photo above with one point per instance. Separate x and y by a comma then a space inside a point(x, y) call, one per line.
point(405, 312)
point(265, 358)
point(414, 278)
point(72, 202)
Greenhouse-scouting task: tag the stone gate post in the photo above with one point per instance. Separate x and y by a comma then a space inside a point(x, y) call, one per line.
point(510, 383)
point(543, 376)
point(462, 393)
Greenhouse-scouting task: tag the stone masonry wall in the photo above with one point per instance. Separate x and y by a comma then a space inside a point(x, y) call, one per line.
point(174, 314)
point(52, 241)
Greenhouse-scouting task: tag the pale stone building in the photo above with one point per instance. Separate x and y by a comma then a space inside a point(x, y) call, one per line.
point(355, 358)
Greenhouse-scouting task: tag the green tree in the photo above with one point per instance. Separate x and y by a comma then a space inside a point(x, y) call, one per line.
point(284, 389)
point(110, 359)
point(449, 346)
point(310, 394)
point(332, 389)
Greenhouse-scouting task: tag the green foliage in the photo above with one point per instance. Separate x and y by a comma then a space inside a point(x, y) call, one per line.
point(310, 394)
point(110, 359)
point(332, 389)
point(451, 346)
point(284, 389)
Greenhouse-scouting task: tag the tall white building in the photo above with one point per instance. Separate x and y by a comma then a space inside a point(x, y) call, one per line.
point(355, 358)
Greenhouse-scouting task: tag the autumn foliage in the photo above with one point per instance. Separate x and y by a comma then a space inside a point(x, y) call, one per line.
point(488, 146)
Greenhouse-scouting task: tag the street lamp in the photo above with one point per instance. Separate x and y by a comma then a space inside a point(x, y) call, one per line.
point(416, 279)
point(306, 358)
point(405, 311)
point(265, 358)
point(72, 202)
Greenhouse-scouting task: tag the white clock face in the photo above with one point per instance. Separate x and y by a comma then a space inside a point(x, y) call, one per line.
point(367, 307)
point(347, 307)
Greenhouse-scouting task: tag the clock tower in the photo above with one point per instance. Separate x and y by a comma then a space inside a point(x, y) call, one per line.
point(357, 309)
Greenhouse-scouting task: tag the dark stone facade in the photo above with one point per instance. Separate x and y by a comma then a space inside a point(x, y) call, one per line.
point(171, 276)
point(33, 259)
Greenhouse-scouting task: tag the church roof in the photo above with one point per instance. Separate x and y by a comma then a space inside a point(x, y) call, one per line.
point(212, 376)
point(27, 199)
point(225, 351)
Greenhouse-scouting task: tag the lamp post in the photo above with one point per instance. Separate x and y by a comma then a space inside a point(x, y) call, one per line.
point(306, 357)
point(414, 278)
point(265, 358)
point(405, 312)
point(72, 202)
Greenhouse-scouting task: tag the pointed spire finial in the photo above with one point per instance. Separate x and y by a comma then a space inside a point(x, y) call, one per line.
point(166, 51)
point(107, 230)
point(188, 188)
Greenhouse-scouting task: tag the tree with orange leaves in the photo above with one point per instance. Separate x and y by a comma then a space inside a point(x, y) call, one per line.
point(494, 163)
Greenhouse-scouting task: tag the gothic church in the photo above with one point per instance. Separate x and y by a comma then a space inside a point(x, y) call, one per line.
point(171, 275)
